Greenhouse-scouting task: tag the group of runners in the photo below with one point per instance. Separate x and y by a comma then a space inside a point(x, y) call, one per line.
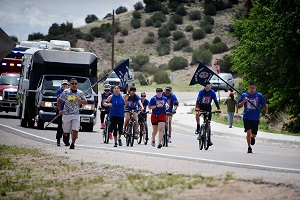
point(116, 105)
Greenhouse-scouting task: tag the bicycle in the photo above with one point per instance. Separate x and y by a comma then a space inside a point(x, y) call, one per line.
point(130, 130)
point(107, 128)
point(143, 129)
point(205, 130)
point(165, 140)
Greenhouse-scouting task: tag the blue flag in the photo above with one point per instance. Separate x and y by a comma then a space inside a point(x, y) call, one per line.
point(122, 72)
point(202, 75)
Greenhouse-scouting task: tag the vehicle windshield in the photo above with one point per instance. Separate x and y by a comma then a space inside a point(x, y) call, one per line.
point(53, 83)
point(112, 75)
point(214, 77)
point(9, 79)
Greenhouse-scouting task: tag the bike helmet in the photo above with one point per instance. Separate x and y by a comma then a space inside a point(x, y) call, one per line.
point(107, 87)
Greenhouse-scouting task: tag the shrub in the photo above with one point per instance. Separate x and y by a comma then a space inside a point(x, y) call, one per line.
point(151, 34)
point(163, 32)
point(159, 16)
point(219, 47)
point(178, 35)
point(173, 5)
point(207, 28)
point(161, 77)
point(135, 23)
point(124, 32)
point(181, 43)
point(198, 34)
point(177, 63)
point(136, 14)
point(188, 49)
point(120, 40)
point(121, 9)
point(138, 61)
point(149, 40)
point(207, 20)
point(157, 24)
point(164, 41)
point(210, 9)
point(149, 68)
point(203, 56)
point(189, 28)
point(177, 19)
point(138, 6)
point(149, 22)
point(152, 6)
point(181, 10)
point(204, 46)
point(164, 9)
point(91, 18)
point(163, 49)
point(108, 37)
point(171, 26)
point(163, 67)
point(108, 15)
point(89, 37)
point(195, 15)
point(141, 78)
point(217, 40)
point(101, 31)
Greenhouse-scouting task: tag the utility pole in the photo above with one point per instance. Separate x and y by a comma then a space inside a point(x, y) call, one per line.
point(113, 41)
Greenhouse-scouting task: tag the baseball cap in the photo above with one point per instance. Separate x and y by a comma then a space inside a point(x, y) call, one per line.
point(132, 88)
point(159, 89)
point(64, 82)
point(168, 88)
point(231, 94)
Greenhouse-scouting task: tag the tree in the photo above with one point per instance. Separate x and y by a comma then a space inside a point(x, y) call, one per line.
point(268, 53)
point(152, 6)
point(121, 9)
point(138, 6)
point(36, 36)
point(91, 18)
point(14, 38)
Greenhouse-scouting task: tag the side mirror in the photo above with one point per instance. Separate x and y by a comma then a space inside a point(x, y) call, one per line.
point(25, 85)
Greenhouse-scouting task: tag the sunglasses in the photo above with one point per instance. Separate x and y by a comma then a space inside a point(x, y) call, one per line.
point(73, 83)
point(143, 96)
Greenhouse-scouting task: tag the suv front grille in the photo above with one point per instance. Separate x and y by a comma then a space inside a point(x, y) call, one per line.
point(8, 95)
point(114, 83)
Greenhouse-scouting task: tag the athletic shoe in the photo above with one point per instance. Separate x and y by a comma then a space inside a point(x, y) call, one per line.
point(153, 143)
point(120, 142)
point(198, 129)
point(58, 142)
point(110, 136)
point(116, 144)
point(159, 146)
point(249, 150)
point(230, 126)
point(67, 144)
point(72, 146)
point(102, 126)
point(252, 141)
point(210, 143)
point(169, 140)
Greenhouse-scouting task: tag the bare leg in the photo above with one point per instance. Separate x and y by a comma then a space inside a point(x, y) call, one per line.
point(74, 136)
point(155, 127)
point(161, 126)
point(248, 137)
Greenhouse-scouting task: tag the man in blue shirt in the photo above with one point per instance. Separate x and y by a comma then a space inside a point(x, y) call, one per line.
point(204, 100)
point(173, 103)
point(251, 115)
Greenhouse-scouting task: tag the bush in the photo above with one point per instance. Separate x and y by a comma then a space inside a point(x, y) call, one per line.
point(149, 22)
point(173, 5)
point(138, 6)
point(159, 16)
point(91, 18)
point(188, 49)
point(108, 15)
point(217, 40)
point(204, 46)
point(121, 9)
point(178, 63)
point(149, 69)
point(163, 67)
point(101, 31)
point(180, 44)
point(108, 37)
point(178, 35)
point(171, 26)
point(198, 34)
point(121, 40)
point(164, 9)
point(151, 34)
point(210, 9)
point(135, 23)
point(141, 78)
point(189, 28)
point(207, 20)
point(203, 56)
point(164, 41)
point(181, 10)
point(149, 40)
point(89, 37)
point(207, 28)
point(163, 49)
point(136, 14)
point(138, 61)
point(161, 77)
point(226, 64)
point(177, 19)
point(218, 48)
point(152, 6)
point(195, 15)
point(157, 24)
point(163, 32)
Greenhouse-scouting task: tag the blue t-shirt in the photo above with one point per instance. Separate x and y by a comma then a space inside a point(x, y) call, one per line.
point(133, 103)
point(58, 93)
point(207, 97)
point(171, 99)
point(104, 97)
point(145, 104)
point(117, 108)
point(156, 101)
point(250, 112)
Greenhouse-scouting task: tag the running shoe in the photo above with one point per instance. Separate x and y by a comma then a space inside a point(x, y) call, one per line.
point(102, 126)
point(72, 146)
point(110, 136)
point(153, 143)
point(116, 144)
point(170, 140)
point(249, 150)
point(210, 143)
point(198, 129)
point(252, 141)
point(58, 142)
point(120, 142)
point(159, 146)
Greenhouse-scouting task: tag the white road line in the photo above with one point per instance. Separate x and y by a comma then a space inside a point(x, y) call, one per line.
point(170, 155)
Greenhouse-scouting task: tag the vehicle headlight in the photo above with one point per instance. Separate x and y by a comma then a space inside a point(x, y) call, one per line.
point(89, 107)
point(46, 104)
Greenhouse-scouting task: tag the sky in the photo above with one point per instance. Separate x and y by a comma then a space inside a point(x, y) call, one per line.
point(23, 17)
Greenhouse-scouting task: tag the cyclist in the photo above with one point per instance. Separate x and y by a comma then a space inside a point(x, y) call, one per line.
point(159, 105)
point(143, 116)
point(102, 98)
point(204, 99)
point(173, 103)
point(132, 102)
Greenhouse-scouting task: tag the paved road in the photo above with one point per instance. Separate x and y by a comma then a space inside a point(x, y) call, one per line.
point(276, 158)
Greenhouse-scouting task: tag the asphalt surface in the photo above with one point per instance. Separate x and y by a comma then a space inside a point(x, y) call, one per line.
point(275, 158)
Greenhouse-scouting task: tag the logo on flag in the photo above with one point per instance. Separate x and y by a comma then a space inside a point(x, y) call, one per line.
point(122, 71)
point(202, 75)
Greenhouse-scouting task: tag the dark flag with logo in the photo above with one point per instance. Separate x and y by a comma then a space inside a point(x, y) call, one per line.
point(122, 71)
point(202, 75)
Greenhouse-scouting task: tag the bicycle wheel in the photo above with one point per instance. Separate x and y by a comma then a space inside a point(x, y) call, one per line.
point(104, 135)
point(128, 134)
point(132, 133)
point(107, 132)
point(201, 137)
point(165, 136)
point(207, 137)
point(140, 133)
point(145, 134)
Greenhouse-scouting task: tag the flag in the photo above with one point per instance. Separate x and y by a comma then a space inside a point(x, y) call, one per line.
point(6, 44)
point(122, 71)
point(202, 75)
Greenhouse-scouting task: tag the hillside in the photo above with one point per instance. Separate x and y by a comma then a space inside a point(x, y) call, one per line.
point(133, 43)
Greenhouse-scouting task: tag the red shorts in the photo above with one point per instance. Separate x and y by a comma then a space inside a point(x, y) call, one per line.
point(158, 118)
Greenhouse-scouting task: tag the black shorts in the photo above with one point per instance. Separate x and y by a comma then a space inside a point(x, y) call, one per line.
point(251, 124)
